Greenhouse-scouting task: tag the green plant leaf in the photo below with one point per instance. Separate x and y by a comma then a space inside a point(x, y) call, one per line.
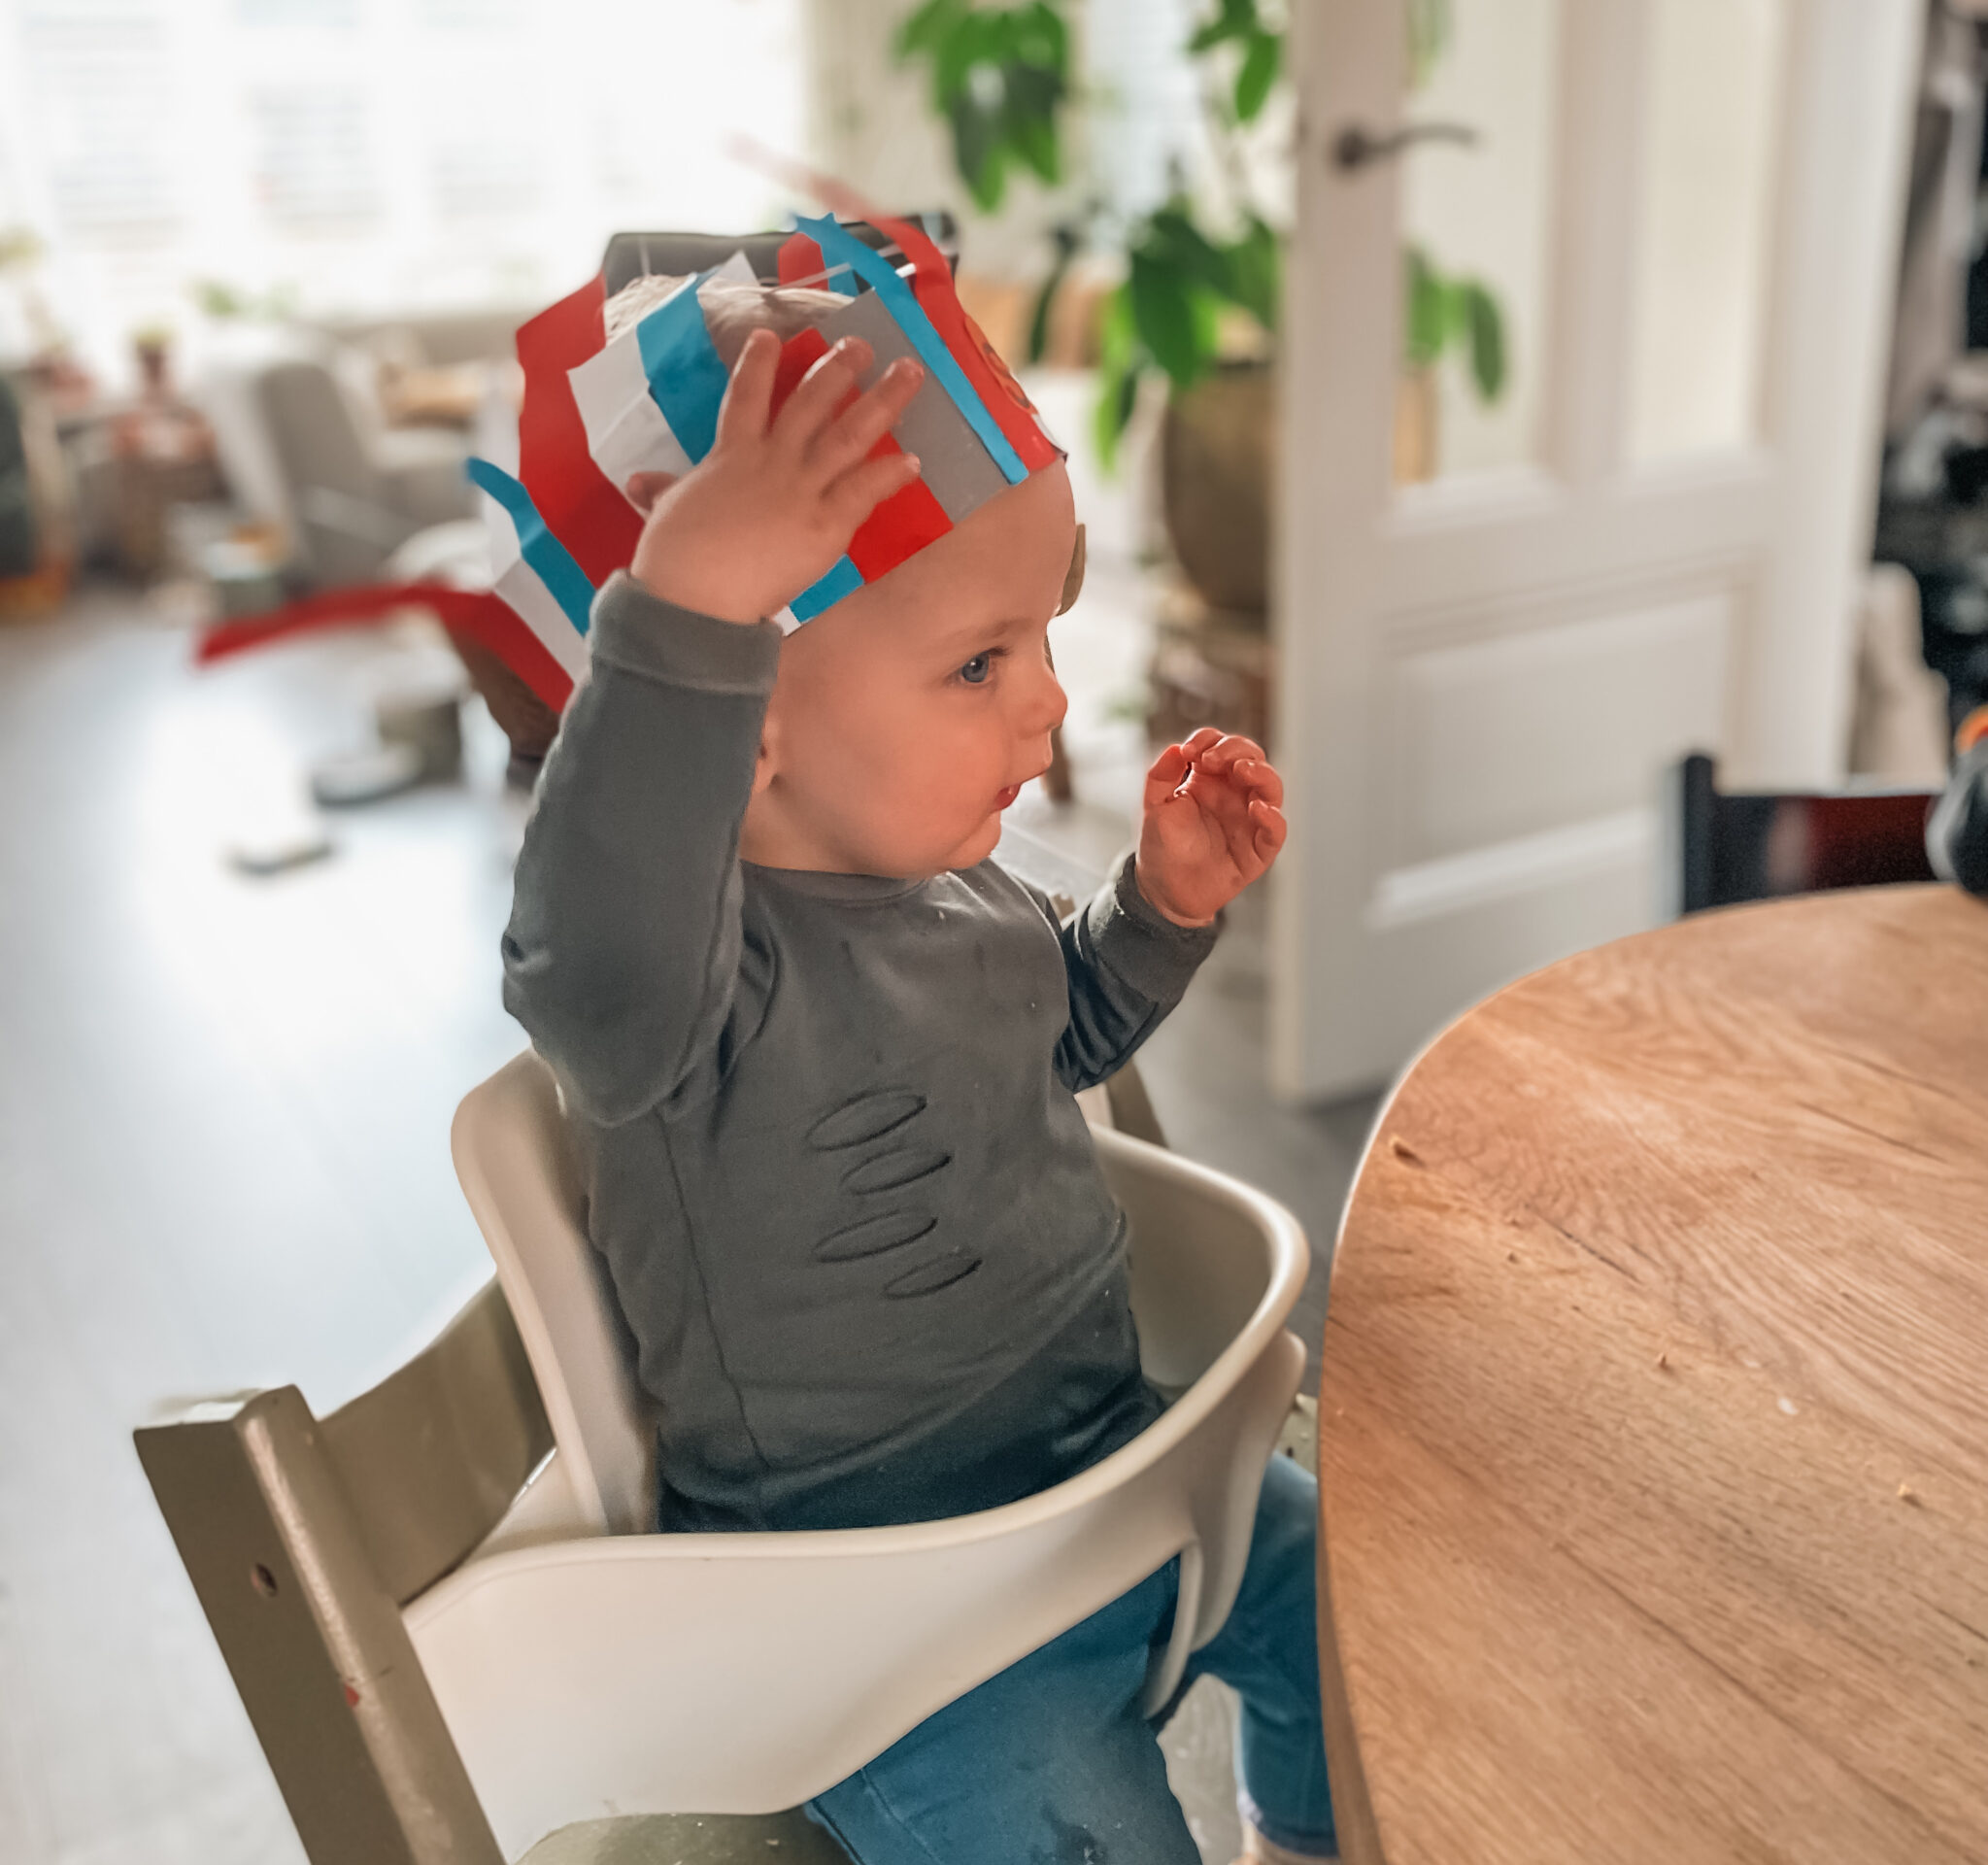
point(1118, 340)
point(1261, 65)
point(1235, 20)
point(1428, 319)
point(1119, 372)
point(1164, 312)
point(1484, 322)
point(1172, 239)
point(999, 75)
point(1042, 39)
point(953, 57)
point(1037, 144)
point(1028, 117)
point(1429, 24)
point(1118, 396)
point(1067, 237)
point(921, 30)
point(1038, 318)
point(978, 151)
point(1256, 272)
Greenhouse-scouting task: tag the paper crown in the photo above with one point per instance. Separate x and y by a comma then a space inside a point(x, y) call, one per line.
point(597, 413)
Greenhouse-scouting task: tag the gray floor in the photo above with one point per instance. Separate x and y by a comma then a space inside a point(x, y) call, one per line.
point(223, 1116)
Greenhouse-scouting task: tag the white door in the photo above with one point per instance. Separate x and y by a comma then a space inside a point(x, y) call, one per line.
point(1688, 213)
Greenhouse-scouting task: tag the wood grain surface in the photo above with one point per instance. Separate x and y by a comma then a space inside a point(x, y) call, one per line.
point(1654, 1420)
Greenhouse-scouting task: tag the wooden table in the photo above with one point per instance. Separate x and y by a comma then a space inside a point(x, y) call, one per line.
point(1654, 1422)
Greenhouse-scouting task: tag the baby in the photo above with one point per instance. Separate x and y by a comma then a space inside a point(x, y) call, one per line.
point(820, 1051)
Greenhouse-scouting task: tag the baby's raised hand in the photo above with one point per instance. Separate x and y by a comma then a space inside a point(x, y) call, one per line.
point(768, 510)
point(1211, 824)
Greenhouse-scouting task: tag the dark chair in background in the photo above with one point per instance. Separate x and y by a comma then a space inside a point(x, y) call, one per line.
point(1730, 848)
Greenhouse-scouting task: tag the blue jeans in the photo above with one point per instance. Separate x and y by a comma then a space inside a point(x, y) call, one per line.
point(1052, 1763)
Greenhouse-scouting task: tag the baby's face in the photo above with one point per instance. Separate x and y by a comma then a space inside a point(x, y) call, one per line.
point(906, 716)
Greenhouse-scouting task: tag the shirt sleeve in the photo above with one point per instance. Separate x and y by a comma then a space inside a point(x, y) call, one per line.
point(1957, 832)
point(1128, 966)
point(625, 937)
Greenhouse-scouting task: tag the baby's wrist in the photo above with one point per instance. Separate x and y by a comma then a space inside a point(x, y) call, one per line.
point(673, 582)
point(1155, 897)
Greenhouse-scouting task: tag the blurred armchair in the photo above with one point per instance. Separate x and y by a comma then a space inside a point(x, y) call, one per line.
point(307, 451)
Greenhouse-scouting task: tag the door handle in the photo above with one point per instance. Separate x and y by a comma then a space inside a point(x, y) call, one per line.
point(1356, 145)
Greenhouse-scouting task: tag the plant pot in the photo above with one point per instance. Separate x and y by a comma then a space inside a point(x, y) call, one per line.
point(1415, 426)
point(154, 366)
point(1209, 668)
point(1216, 446)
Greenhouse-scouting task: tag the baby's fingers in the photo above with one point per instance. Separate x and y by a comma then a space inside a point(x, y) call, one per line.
point(861, 491)
point(1229, 750)
point(851, 436)
point(824, 393)
point(1260, 779)
point(1268, 829)
point(743, 414)
point(1163, 775)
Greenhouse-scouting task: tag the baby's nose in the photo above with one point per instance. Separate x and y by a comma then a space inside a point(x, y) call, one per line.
point(1050, 704)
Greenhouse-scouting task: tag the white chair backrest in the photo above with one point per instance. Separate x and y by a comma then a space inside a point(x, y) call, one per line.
point(1193, 1286)
point(516, 1167)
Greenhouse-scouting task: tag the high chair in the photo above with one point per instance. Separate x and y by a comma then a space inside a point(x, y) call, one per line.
point(454, 1636)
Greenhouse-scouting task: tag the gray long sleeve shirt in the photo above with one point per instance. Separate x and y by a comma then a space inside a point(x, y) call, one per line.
point(826, 1122)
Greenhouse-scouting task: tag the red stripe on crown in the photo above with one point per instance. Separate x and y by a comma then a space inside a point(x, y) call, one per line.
point(902, 526)
point(906, 521)
point(800, 258)
point(478, 615)
point(583, 508)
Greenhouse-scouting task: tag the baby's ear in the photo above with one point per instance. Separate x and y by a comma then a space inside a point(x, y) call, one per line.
point(643, 489)
point(1073, 577)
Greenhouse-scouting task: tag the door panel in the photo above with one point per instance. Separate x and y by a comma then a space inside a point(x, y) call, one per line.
point(1576, 712)
point(1711, 136)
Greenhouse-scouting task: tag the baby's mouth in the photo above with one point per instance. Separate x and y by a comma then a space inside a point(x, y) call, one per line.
point(1003, 797)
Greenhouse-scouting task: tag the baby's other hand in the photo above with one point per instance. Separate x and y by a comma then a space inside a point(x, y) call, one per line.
point(776, 501)
point(1211, 824)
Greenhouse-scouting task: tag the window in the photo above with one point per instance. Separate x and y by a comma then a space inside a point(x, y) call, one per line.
point(371, 155)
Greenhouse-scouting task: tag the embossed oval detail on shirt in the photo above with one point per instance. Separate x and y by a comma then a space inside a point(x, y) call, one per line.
point(888, 1230)
point(868, 1117)
point(927, 1278)
point(901, 1166)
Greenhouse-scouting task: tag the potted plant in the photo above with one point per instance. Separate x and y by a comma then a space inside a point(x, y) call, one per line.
point(1202, 279)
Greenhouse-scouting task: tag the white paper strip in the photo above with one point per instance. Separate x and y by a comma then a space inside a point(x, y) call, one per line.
point(520, 586)
point(626, 430)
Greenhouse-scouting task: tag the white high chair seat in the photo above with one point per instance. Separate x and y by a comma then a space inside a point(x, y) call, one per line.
point(587, 1668)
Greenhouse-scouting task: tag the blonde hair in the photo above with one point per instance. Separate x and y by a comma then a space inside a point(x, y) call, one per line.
point(732, 311)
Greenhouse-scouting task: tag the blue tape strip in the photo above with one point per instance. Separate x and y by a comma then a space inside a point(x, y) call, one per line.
point(839, 247)
point(550, 559)
point(843, 579)
point(686, 377)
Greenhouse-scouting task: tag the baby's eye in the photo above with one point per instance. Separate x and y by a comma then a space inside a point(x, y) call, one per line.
point(977, 670)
